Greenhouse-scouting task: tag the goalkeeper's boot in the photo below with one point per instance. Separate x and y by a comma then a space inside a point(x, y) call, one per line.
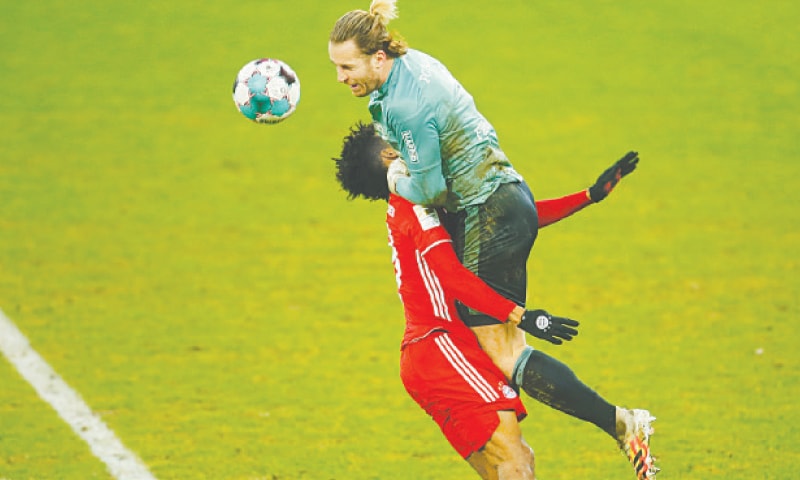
point(633, 436)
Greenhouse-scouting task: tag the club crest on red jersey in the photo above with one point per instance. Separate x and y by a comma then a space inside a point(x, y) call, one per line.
point(507, 391)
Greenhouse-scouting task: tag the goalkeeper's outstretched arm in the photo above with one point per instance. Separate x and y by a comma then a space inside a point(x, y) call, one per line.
point(556, 209)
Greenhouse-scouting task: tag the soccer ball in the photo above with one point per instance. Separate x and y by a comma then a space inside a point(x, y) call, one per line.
point(266, 90)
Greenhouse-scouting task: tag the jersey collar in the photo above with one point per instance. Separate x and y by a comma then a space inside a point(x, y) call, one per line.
point(384, 89)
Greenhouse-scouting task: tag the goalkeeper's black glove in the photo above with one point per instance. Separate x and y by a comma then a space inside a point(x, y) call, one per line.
point(609, 179)
point(542, 325)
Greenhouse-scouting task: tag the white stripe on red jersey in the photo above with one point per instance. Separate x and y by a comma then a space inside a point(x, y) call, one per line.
point(466, 369)
point(435, 291)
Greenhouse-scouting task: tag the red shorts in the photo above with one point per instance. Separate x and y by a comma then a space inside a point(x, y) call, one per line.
point(461, 389)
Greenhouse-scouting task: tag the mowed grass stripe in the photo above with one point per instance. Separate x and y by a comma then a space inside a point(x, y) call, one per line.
point(104, 444)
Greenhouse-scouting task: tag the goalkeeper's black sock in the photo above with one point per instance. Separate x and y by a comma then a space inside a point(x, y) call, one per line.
point(553, 383)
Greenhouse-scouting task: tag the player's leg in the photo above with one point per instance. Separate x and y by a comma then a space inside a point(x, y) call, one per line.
point(553, 383)
point(457, 384)
point(506, 455)
point(503, 343)
point(494, 240)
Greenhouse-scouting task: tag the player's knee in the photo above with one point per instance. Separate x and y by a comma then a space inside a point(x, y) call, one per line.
point(531, 459)
point(507, 453)
point(517, 468)
point(521, 465)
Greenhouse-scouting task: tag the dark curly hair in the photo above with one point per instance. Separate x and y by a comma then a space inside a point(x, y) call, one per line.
point(360, 170)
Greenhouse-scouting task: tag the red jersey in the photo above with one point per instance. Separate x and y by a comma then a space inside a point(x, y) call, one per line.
point(429, 276)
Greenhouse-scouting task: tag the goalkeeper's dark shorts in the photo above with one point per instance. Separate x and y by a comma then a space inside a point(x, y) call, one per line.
point(494, 240)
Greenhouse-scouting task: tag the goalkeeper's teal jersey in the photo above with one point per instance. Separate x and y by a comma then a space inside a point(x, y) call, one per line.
point(450, 148)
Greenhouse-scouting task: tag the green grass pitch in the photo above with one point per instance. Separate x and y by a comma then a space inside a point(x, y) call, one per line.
point(207, 288)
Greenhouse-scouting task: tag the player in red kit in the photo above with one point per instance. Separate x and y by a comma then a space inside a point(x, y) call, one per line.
point(442, 364)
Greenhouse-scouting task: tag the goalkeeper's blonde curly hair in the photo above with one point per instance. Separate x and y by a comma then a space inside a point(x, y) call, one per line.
point(369, 29)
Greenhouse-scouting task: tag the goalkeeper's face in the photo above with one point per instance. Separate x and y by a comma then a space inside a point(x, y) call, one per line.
point(361, 72)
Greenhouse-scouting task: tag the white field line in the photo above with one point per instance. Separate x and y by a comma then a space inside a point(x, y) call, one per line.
point(121, 462)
